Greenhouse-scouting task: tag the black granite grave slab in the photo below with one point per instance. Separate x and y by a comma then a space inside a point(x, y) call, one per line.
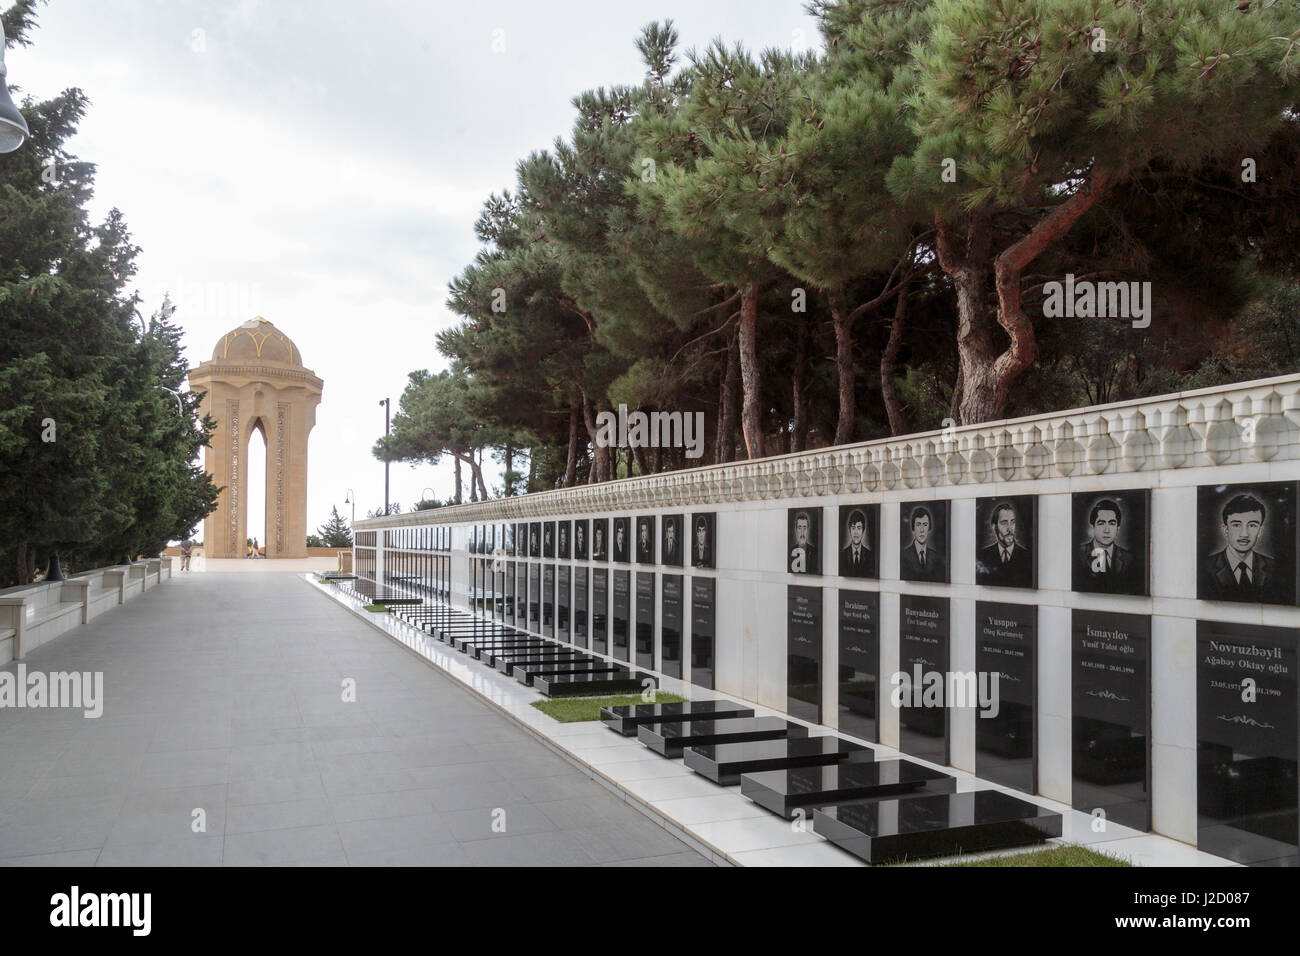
point(846, 781)
point(1110, 662)
point(645, 618)
point(671, 625)
point(475, 646)
point(548, 600)
point(917, 827)
point(1246, 718)
point(581, 606)
point(535, 598)
point(703, 630)
point(1006, 732)
point(563, 599)
point(507, 661)
point(527, 673)
point(621, 615)
point(803, 629)
point(582, 685)
point(627, 719)
point(724, 763)
point(600, 610)
point(923, 630)
point(671, 739)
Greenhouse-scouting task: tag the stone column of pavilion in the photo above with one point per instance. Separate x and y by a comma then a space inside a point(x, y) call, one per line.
point(256, 379)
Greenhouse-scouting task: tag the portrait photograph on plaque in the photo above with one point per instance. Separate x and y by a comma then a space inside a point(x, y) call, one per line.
point(924, 537)
point(1246, 543)
point(622, 540)
point(1110, 663)
point(508, 540)
point(703, 540)
point(1006, 543)
point(1246, 757)
point(859, 541)
point(535, 539)
point(562, 540)
point(600, 539)
point(580, 533)
point(803, 540)
point(672, 544)
point(645, 539)
point(1110, 534)
point(548, 539)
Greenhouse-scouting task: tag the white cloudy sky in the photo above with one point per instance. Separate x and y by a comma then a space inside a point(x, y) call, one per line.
point(322, 163)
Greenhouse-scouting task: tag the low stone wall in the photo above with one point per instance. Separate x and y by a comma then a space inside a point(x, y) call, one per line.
point(38, 613)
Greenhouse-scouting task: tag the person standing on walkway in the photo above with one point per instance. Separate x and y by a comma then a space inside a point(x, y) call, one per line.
point(187, 551)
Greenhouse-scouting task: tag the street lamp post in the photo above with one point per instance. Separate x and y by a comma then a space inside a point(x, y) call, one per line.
point(422, 491)
point(386, 403)
point(13, 128)
point(351, 498)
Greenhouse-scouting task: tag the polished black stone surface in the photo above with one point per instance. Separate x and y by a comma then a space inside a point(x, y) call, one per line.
point(563, 601)
point(581, 607)
point(645, 619)
point(535, 598)
point(671, 625)
point(917, 827)
point(507, 661)
point(628, 718)
point(580, 685)
point(1246, 543)
point(784, 791)
point(670, 739)
point(480, 652)
point(1246, 718)
point(548, 600)
point(1110, 663)
point(520, 617)
point(803, 629)
point(724, 763)
point(600, 610)
point(923, 624)
point(859, 669)
point(471, 645)
point(1006, 732)
point(621, 614)
point(527, 673)
point(703, 622)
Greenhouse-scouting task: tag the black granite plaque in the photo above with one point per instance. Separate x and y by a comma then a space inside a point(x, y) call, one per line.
point(535, 539)
point(1109, 543)
point(621, 614)
point(548, 539)
point(521, 539)
point(919, 689)
point(803, 630)
point(671, 625)
point(1006, 682)
point(535, 598)
point(703, 618)
point(581, 530)
point(673, 542)
point(562, 544)
point(1111, 692)
point(622, 544)
point(859, 683)
point(1246, 752)
point(1006, 541)
point(508, 540)
point(600, 610)
point(645, 619)
point(645, 539)
point(803, 549)
point(703, 541)
point(548, 600)
point(521, 594)
point(1246, 543)
point(924, 541)
point(600, 539)
point(563, 585)
point(580, 606)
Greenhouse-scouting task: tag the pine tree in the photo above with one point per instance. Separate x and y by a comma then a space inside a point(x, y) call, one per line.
point(335, 532)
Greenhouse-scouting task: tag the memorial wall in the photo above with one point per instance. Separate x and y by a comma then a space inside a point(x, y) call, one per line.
point(1096, 606)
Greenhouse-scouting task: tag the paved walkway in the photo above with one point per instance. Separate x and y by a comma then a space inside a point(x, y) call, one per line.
point(225, 739)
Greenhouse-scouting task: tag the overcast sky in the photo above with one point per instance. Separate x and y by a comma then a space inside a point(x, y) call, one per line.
point(322, 164)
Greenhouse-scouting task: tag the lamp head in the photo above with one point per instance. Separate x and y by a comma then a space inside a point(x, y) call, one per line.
point(13, 128)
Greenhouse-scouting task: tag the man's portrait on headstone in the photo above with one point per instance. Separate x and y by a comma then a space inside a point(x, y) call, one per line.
point(1110, 541)
point(924, 534)
point(803, 540)
point(1006, 553)
point(1246, 543)
point(859, 539)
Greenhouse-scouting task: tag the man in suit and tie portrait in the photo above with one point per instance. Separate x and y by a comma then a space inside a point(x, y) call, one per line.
point(702, 549)
point(922, 559)
point(1240, 572)
point(1102, 564)
point(856, 558)
point(672, 547)
point(1006, 562)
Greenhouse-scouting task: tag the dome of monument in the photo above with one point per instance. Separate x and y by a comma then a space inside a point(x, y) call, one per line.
point(256, 342)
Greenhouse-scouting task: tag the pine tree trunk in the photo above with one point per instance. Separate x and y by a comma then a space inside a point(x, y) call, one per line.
point(799, 427)
point(752, 407)
point(532, 469)
point(843, 324)
point(726, 438)
point(888, 359)
point(638, 455)
point(600, 467)
point(571, 464)
point(510, 467)
point(459, 495)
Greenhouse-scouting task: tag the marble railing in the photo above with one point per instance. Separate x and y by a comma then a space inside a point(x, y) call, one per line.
point(1246, 422)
